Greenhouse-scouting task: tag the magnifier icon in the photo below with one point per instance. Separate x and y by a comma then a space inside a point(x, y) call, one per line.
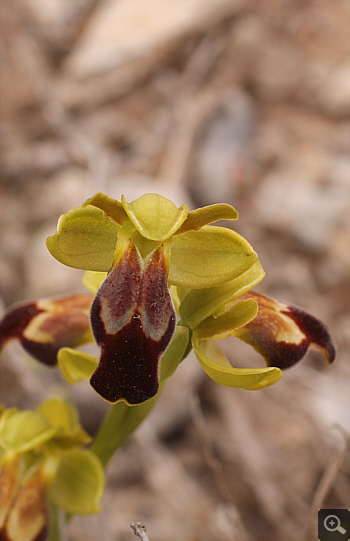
point(332, 524)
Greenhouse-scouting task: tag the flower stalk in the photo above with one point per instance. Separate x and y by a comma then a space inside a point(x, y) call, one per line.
point(118, 424)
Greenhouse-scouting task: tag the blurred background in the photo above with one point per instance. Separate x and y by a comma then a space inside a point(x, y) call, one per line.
point(203, 101)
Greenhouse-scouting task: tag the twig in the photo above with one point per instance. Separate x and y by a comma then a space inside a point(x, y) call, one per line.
point(324, 486)
point(140, 531)
point(217, 472)
point(81, 148)
point(190, 109)
point(207, 449)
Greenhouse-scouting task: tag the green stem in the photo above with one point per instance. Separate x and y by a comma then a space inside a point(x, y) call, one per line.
point(119, 423)
point(54, 534)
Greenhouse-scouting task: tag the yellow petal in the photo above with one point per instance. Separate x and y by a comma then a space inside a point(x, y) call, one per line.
point(207, 215)
point(85, 239)
point(75, 365)
point(111, 207)
point(209, 257)
point(155, 216)
point(93, 280)
point(241, 313)
point(218, 368)
point(198, 304)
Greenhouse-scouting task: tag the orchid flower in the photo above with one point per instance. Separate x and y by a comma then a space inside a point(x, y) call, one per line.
point(144, 260)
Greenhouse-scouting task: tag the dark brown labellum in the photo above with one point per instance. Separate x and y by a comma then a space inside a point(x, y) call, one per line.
point(133, 320)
